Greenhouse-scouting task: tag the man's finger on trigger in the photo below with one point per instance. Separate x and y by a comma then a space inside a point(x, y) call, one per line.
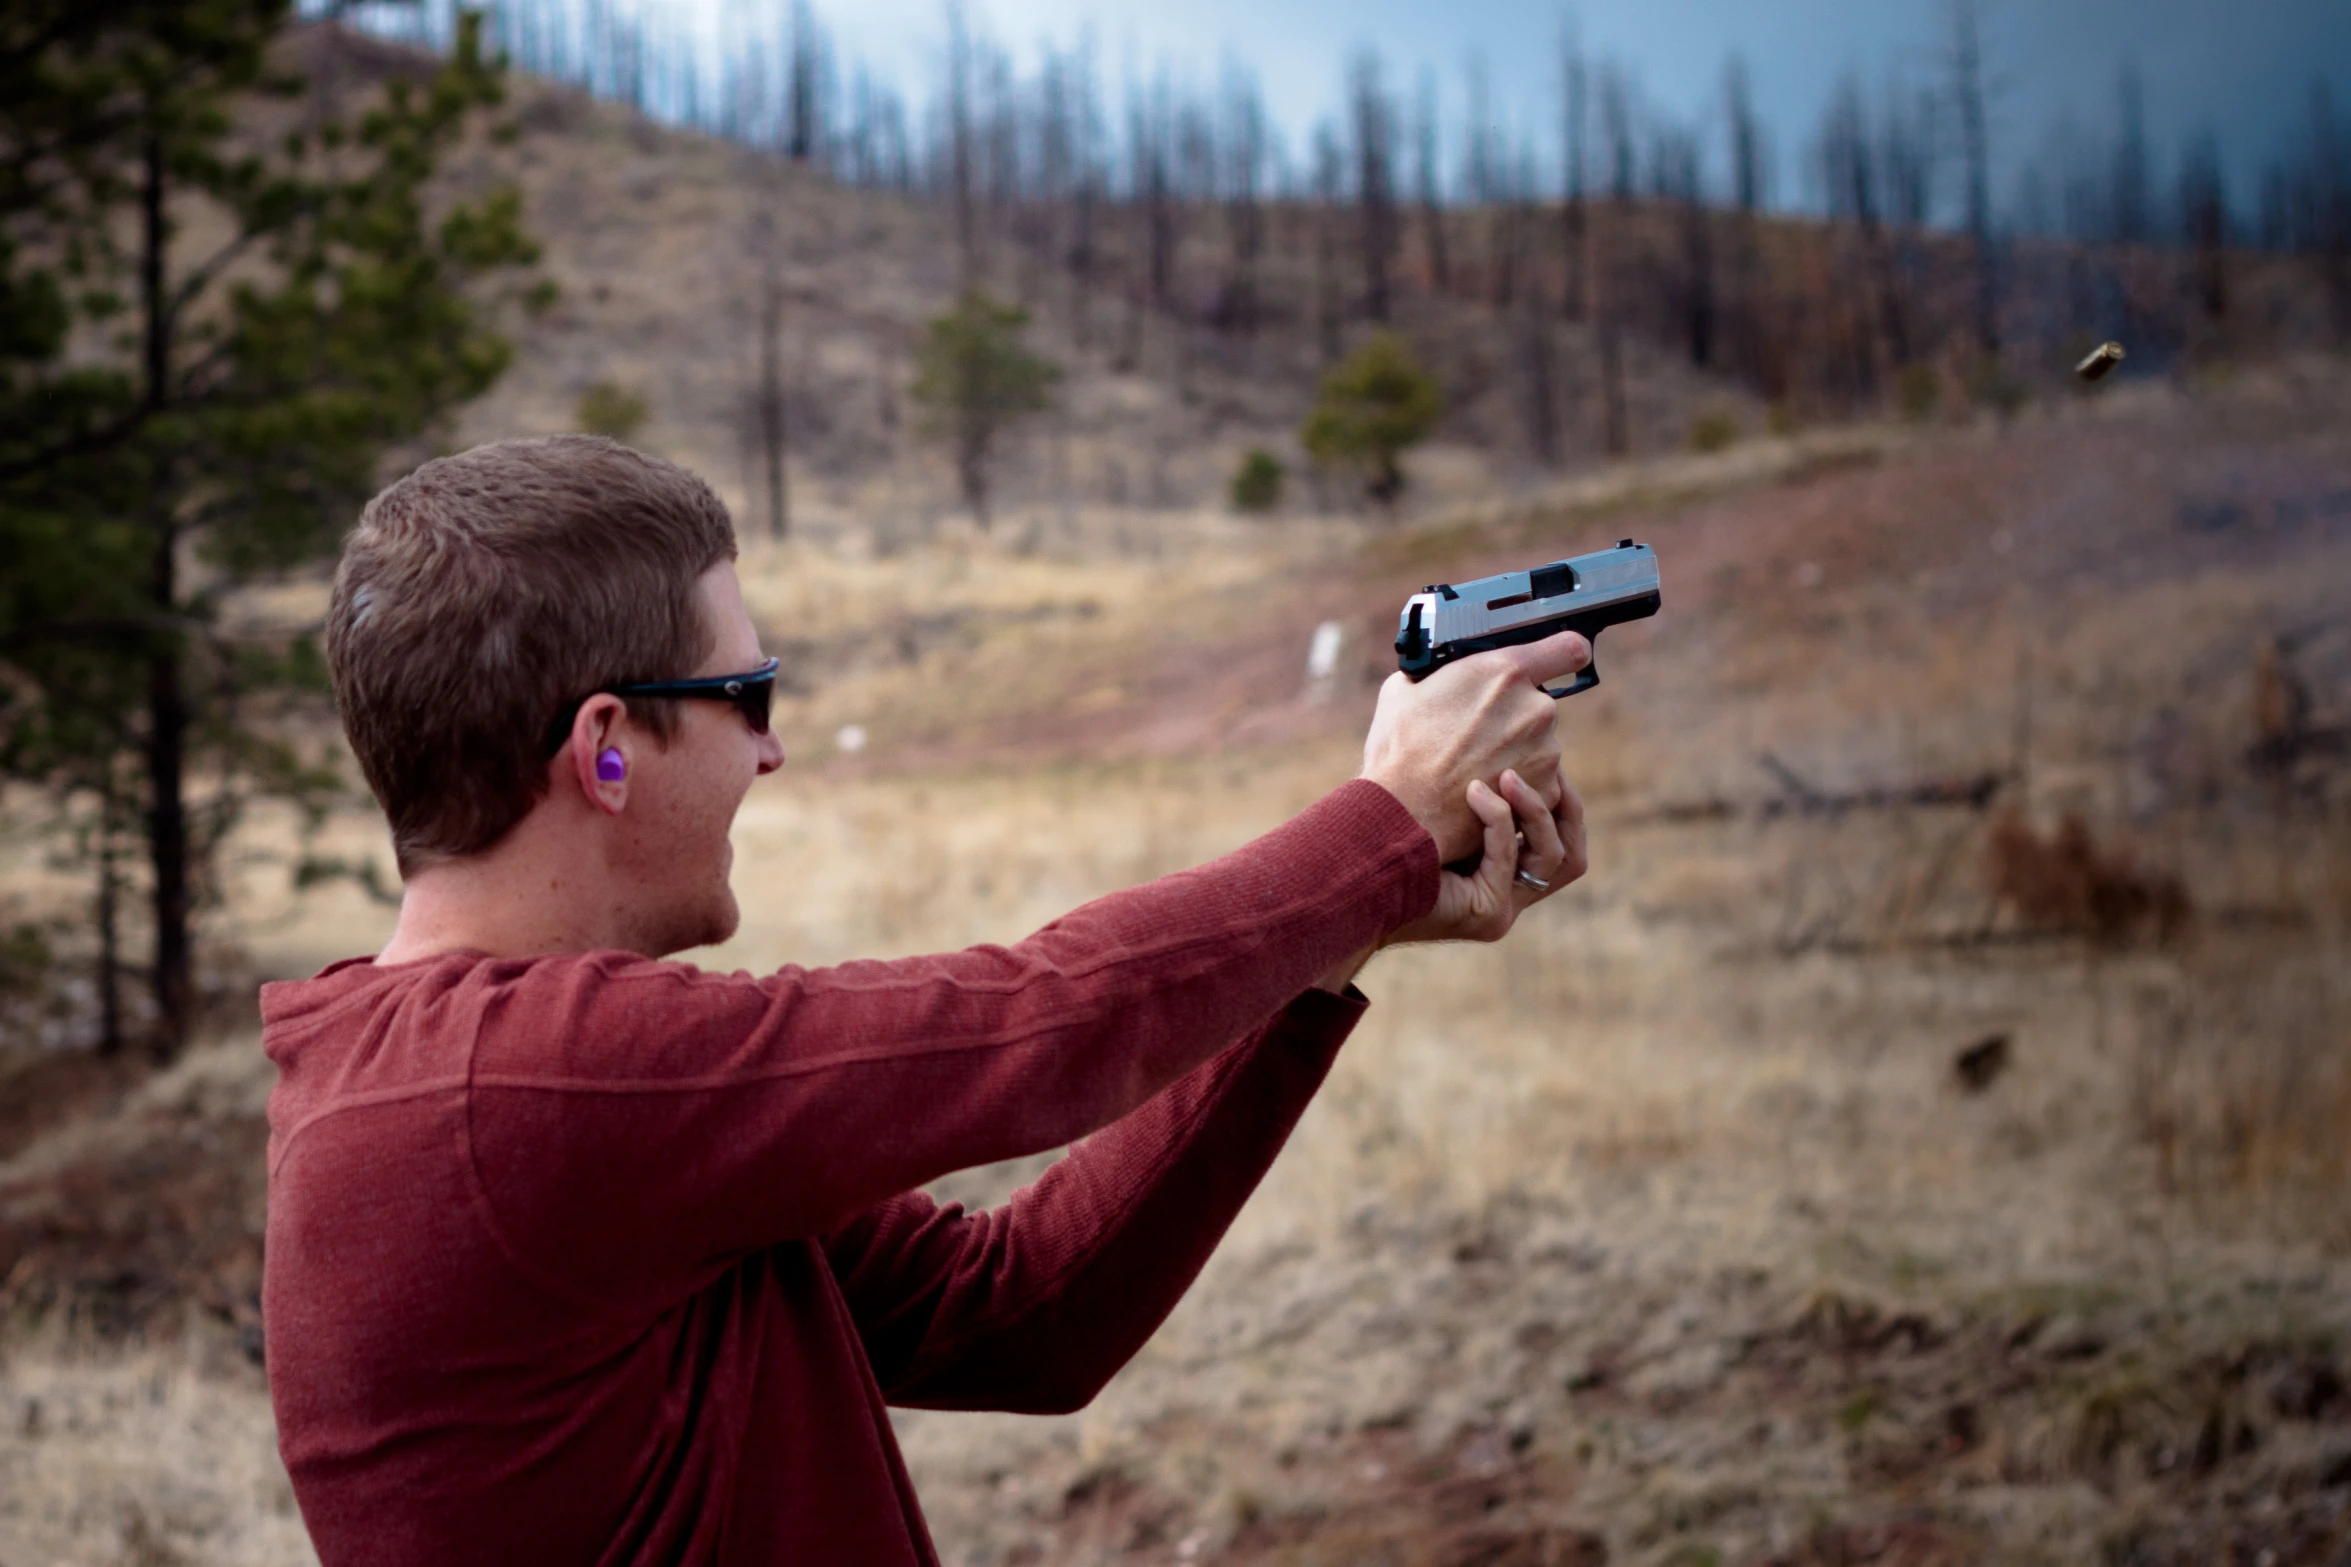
point(1545, 661)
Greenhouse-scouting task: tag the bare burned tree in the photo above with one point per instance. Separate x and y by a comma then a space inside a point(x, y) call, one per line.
point(1849, 172)
point(1329, 308)
point(1674, 169)
point(1484, 180)
point(1088, 192)
point(1427, 182)
point(803, 106)
point(1152, 214)
point(1056, 160)
point(1748, 160)
point(2130, 202)
point(1162, 197)
point(1574, 238)
point(1966, 63)
point(768, 404)
point(2204, 223)
point(875, 153)
point(1537, 355)
point(1374, 119)
point(961, 154)
point(1906, 158)
point(1244, 208)
point(1004, 210)
point(1616, 130)
point(2327, 199)
point(1197, 184)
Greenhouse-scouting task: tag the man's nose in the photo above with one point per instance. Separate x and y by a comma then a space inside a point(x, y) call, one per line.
point(771, 752)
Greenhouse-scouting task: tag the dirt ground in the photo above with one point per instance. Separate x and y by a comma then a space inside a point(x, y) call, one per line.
point(1797, 1189)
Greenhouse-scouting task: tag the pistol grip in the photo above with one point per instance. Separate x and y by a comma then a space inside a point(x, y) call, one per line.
point(1586, 678)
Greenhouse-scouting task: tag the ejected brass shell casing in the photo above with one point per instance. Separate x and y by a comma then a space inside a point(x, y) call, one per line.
point(2100, 360)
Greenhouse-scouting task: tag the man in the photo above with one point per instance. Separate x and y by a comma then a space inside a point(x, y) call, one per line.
point(576, 1255)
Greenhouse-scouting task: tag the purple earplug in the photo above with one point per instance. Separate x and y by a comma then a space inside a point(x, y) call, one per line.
point(609, 766)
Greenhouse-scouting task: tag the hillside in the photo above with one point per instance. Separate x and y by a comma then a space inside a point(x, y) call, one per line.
point(1704, 1221)
point(660, 243)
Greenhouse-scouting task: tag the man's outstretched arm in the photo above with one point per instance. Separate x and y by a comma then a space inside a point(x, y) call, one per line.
point(1033, 1305)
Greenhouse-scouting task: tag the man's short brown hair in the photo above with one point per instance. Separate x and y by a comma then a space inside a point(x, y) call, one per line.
point(482, 593)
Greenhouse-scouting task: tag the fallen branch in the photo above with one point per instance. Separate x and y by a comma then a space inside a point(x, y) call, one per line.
point(1974, 791)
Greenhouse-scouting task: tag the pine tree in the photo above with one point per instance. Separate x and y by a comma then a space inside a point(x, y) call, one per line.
point(973, 378)
point(222, 413)
point(1370, 409)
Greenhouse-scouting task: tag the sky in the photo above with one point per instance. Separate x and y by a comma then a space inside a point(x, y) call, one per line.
point(2241, 67)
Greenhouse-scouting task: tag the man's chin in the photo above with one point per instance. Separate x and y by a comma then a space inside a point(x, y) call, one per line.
point(727, 919)
point(720, 920)
point(706, 927)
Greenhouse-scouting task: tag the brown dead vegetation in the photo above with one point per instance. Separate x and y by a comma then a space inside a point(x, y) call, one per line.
point(2064, 882)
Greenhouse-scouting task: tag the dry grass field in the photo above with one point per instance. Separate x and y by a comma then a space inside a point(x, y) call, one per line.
point(1851, 1169)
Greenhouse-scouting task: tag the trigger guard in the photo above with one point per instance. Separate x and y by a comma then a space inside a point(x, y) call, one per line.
point(1586, 678)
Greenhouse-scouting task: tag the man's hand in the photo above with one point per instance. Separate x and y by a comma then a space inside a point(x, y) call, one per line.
point(1465, 724)
point(1522, 832)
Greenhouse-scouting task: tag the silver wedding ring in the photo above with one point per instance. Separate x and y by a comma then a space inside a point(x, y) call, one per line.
point(1528, 878)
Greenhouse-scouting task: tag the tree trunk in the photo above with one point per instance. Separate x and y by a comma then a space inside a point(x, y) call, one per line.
point(167, 717)
point(1502, 233)
point(1746, 280)
point(1614, 435)
point(1574, 266)
point(772, 433)
point(1609, 267)
point(1893, 318)
point(1324, 215)
point(1542, 400)
point(1432, 203)
point(109, 976)
point(1698, 268)
point(1968, 92)
point(1326, 288)
point(971, 468)
point(1135, 269)
point(1574, 240)
point(167, 817)
point(959, 152)
point(1374, 184)
point(1081, 266)
point(1162, 232)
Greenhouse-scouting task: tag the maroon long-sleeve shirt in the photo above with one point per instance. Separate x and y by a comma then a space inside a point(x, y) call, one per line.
point(594, 1259)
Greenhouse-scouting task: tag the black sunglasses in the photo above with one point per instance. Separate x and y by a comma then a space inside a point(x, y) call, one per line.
point(752, 692)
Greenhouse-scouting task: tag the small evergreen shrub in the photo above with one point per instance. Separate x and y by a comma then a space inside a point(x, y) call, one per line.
point(1714, 430)
point(609, 408)
point(1257, 483)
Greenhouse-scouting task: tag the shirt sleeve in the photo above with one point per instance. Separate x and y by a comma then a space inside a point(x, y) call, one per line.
point(635, 1125)
point(1032, 1306)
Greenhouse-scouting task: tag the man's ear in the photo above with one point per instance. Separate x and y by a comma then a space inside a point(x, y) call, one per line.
point(598, 755)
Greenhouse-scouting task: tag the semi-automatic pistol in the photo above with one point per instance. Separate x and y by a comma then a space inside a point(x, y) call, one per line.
point(1447, 621)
